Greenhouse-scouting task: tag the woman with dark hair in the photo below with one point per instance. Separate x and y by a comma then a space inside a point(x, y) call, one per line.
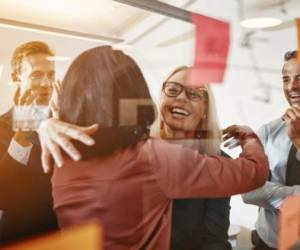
point(188, 117)
point(128, 180)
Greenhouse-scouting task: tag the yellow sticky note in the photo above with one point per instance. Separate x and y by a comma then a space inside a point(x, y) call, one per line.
point(86, 236)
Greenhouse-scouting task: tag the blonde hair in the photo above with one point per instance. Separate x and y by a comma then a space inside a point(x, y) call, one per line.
point(27, 49)
point(208, 132)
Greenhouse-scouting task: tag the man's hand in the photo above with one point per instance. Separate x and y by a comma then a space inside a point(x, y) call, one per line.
point(237, 136)
point(56, 135)
point(292, 119)
point(24, 102)
point(26, 99)
point(54, 105)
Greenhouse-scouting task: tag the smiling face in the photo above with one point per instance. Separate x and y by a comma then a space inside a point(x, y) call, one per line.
point(180, 113)
point(291, 81)
point(37, 76)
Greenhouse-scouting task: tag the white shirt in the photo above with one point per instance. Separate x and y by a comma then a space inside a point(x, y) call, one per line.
point(19, 152)
point(269, 197)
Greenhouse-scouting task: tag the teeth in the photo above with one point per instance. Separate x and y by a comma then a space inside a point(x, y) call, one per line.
point(180, 111)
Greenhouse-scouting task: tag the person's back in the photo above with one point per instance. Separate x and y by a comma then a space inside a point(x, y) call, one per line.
point(131, 191)
point(122, 191)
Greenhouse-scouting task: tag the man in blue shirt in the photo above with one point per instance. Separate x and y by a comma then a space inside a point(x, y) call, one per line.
point(281, 141)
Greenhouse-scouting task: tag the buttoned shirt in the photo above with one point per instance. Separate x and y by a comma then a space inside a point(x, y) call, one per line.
point(269, 197)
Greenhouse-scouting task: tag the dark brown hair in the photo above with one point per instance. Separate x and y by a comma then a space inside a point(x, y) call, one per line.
point(95, 89)
point(290, 55)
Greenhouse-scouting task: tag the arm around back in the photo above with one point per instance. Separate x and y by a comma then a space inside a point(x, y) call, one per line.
point(184, 173)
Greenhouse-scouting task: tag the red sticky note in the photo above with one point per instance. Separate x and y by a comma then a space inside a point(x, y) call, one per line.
point(212, 45)
point(298, 28)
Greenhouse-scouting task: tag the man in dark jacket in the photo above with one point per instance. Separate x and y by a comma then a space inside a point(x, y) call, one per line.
point(25, 191)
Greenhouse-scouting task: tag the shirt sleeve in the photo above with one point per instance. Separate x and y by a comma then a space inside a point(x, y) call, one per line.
point(262, 135)
point(184, 173)
point(270, 195)
point(19, 152)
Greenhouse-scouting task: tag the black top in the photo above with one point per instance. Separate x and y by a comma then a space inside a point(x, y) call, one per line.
point(200, 224)
point(293, 168)
point(25, 192)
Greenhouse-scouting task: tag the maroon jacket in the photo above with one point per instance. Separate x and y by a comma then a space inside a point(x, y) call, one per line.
point(131, 191)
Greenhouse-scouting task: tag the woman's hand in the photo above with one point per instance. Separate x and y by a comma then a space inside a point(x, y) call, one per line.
point(55, 135)
point(236, 136)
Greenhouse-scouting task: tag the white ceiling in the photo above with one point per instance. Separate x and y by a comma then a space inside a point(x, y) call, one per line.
point(102, 17)
point(265, 3)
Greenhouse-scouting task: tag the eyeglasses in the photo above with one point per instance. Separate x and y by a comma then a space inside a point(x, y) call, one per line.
point(174, 89)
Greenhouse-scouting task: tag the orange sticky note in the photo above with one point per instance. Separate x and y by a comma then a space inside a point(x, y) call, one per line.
point(86, 236)
point(289, 223)
point(298, 28)
point(212, 45)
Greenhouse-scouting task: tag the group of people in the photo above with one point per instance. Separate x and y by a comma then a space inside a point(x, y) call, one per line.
point(153, 179)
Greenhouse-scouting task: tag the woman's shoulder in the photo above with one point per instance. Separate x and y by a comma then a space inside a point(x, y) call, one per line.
point(164, 146)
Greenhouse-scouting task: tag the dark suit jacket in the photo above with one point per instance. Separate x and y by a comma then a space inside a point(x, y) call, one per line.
point(25, 192)
point(200, 224)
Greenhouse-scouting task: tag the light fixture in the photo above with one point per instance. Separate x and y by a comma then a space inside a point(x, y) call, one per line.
point(7, 23)
point(58, 58)
point(260, 15)
point(261, 22)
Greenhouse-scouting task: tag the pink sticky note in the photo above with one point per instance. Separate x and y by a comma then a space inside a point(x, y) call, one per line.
point(212, 45)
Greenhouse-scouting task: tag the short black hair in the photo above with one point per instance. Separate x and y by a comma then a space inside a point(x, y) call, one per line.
point(290, 55)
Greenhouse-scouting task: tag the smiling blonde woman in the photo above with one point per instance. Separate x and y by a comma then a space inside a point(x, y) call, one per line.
point(188, 117)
